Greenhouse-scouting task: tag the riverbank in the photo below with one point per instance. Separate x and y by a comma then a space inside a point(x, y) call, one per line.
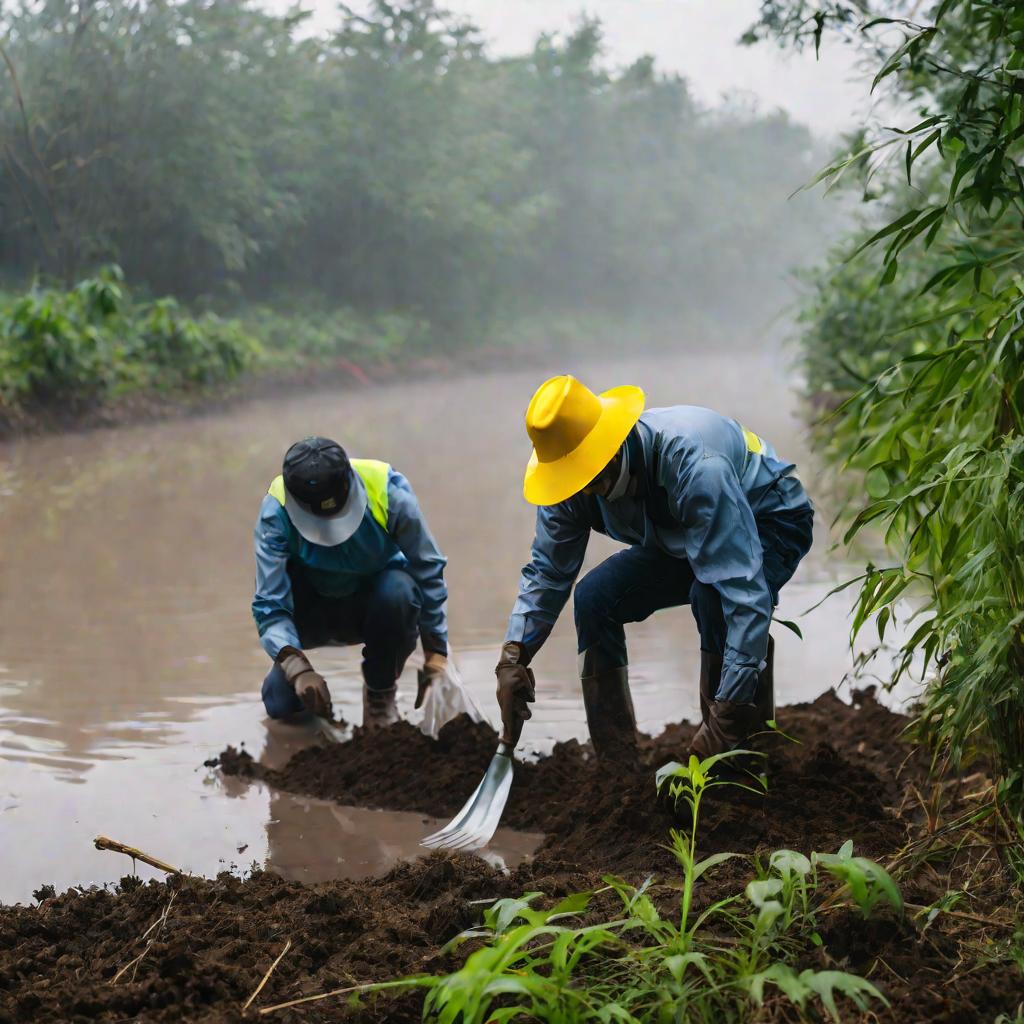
point(848, 776)
point(94, 356)
point(341, 374)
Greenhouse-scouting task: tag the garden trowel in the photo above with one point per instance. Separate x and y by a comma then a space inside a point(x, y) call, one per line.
point(474, 825)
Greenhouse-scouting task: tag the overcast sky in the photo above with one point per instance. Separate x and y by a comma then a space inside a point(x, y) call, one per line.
point(694, 37)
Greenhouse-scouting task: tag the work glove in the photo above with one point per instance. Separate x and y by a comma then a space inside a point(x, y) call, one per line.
point(309, 685)
point(434, 666)
point(516, 689)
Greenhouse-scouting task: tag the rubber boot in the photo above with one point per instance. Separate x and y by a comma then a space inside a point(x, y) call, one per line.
point(609, 706)
point(379, 708)
point(728, 727)
point(710, 678)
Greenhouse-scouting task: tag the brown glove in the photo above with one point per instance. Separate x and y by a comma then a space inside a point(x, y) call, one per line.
point(516, 688)
point(309, 685)
point(433, 668)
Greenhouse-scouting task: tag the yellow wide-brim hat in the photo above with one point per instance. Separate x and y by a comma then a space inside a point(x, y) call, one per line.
point(575, 434)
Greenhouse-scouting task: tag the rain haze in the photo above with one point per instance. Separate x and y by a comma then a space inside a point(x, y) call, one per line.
point(698, 39)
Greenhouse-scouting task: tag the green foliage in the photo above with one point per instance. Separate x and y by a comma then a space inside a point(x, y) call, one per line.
point(296, 336)
point(638, 964)
point(216, 150)
point(937, 428)
point(867, 882)
point(92, 342)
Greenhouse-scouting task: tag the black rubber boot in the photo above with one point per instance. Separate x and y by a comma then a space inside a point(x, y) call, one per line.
point(609, 706)
point(728, 727)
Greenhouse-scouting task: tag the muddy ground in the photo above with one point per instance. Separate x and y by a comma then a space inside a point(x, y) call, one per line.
point(850, 776)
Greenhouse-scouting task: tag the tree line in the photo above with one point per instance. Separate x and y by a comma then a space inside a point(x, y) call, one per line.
point(222, 154)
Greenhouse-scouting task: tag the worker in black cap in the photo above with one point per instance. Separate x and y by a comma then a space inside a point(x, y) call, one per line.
point(344, 555)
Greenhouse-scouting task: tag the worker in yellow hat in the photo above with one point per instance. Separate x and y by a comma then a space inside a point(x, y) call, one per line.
point(712, 518)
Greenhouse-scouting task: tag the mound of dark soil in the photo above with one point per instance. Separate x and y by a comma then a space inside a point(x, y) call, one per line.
point(847, 777)
point(59, 961)
point(830, 786)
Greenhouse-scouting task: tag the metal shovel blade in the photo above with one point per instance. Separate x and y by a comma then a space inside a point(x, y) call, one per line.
point(474, 825)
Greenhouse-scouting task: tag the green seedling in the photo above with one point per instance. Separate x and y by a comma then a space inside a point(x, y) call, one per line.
point(808, 984)
point(868, 883)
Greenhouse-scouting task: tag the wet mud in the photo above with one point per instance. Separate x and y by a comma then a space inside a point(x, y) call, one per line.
point(848, 774)
point(597, 815)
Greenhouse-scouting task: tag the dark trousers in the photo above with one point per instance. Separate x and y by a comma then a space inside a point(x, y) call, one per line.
point(383, 614)
point(632, 584)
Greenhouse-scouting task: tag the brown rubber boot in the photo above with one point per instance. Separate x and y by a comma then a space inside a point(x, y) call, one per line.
point(379, 708)
point(609, 706)
point(710, 677)
point(728, 727)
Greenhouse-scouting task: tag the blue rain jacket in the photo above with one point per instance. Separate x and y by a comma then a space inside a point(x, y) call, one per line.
point(338, 571)
point(700, 492)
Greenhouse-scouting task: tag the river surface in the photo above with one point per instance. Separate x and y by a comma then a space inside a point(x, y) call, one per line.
point(128, 655)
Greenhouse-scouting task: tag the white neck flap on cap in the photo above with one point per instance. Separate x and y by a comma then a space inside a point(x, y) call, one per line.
point(329, 531)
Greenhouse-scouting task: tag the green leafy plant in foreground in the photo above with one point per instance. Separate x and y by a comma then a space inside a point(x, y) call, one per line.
point(638, 964)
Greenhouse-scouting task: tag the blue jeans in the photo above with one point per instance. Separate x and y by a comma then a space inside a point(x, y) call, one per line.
point(383, 614)
point(634, 583)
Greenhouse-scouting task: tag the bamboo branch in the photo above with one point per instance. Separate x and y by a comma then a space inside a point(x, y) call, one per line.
point(103, 843)
point(270, 970)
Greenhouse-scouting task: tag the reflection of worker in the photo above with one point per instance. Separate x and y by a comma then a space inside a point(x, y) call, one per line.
point(343, 555)
point(713, 519)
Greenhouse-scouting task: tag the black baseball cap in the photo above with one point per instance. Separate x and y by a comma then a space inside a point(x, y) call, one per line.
point(324, 498)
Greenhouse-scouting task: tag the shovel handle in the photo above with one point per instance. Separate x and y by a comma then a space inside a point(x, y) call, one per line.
point(511, 739)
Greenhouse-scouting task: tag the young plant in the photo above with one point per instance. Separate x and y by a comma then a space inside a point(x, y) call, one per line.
point(868, 883)
point(529, 959)
point(690, 782)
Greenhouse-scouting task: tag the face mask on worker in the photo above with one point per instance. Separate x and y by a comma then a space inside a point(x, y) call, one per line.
point(622, 482)
point(612, 482)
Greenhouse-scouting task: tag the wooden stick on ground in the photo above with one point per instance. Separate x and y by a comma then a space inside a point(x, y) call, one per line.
point(270, 971)
point(103, 843)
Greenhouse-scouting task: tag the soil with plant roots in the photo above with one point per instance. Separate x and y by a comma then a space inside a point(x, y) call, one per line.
point(201, 946)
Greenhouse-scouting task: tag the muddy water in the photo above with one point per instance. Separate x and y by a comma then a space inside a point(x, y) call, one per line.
point(128, 655)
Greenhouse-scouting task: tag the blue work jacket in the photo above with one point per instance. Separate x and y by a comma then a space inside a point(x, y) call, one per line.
point(702, 484)
point(338, 571)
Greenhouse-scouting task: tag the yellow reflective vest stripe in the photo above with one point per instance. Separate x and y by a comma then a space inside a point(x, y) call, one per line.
point(754, 443)
point(374, 475)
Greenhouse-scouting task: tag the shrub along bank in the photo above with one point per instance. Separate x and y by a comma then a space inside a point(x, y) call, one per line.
point(97, 353)
point(92, 344)
point(69, 356)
